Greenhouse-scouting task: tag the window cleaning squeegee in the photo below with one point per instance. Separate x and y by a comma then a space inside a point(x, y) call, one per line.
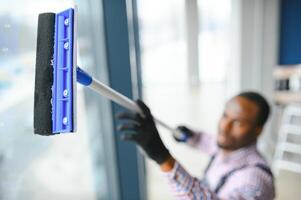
point(56, 75)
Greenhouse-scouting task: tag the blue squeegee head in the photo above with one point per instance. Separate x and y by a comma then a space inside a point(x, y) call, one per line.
point(63, 77)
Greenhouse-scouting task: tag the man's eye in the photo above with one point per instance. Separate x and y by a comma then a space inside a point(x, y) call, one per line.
point(237, 122)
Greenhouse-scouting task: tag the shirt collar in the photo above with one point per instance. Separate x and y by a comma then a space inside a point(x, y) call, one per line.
point(237, 154)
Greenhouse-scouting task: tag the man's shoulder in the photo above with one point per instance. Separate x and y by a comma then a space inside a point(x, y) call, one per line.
point(254, 177)
point(255, 157)
point(255, 171)
point(254, 166)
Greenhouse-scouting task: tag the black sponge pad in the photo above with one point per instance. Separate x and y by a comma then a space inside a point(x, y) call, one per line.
point(44, 75)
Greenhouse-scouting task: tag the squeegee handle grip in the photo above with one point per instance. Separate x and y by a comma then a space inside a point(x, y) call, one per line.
point(85, 79)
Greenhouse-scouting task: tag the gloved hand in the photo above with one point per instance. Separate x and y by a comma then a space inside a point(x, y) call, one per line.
point(143, 131)
point(186, 134)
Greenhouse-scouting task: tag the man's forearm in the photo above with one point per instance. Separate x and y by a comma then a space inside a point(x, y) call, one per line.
point(182, 184)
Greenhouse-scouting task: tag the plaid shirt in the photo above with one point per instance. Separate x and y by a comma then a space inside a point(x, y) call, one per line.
point(247, 183)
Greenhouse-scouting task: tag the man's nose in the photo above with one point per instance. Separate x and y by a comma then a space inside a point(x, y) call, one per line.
point(226, 126)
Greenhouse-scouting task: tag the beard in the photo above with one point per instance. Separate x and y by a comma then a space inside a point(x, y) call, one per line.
point(226, 147)
point(229, 143)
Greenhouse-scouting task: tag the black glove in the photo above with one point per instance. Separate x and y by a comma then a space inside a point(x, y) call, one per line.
point(143, 131)
point(186, 134)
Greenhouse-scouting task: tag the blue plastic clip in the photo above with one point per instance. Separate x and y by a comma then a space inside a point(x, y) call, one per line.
point(62, 88)
point(83, 77)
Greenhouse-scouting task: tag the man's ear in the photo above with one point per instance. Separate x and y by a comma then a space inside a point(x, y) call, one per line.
point(258, 130)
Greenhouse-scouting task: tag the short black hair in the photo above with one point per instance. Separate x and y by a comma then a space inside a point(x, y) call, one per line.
point(261, 102)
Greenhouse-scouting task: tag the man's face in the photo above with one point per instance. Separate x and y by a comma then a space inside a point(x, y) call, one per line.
point(237, 127)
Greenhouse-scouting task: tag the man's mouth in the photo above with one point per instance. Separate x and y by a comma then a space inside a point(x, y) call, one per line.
point(223, 137)
point(223, 134)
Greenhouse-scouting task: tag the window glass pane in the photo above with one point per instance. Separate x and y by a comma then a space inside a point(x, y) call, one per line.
point(214, 39)
point(34, 167)
point(162, 40)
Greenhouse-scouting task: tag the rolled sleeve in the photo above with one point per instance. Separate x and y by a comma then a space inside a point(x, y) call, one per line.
point(184, 186)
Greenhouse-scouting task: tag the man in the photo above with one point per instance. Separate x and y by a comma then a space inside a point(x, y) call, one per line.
point(236, 171)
